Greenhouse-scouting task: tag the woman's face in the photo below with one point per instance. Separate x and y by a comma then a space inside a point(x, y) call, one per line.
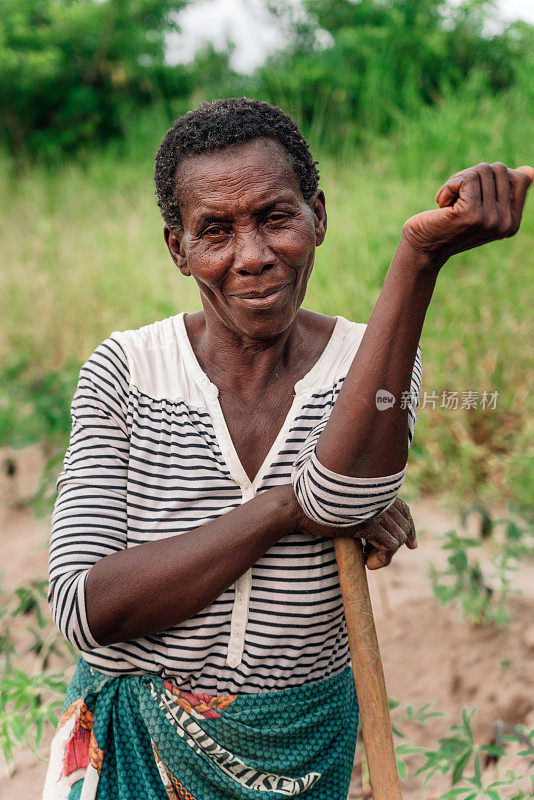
point(248, 235)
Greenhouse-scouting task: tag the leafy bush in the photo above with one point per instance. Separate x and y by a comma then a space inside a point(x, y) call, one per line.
point(35, 406)
point(483, 592)
point(31, 691)
point(460, 755)
point(75, 72)
point(355, 69)
point(463, 757)
point(71, 72)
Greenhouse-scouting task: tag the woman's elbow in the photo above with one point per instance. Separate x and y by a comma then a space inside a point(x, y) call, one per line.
point(332, 499)
point(66, 600)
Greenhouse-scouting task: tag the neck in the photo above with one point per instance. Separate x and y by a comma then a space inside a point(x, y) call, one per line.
point(234, 360)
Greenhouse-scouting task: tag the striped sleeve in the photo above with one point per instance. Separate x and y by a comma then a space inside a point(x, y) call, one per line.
point(89, 519)
point(340, 500)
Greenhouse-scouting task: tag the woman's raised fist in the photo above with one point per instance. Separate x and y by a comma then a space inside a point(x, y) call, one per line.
point(476, 206)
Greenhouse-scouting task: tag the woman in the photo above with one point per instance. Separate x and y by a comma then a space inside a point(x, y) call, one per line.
point(213, 457)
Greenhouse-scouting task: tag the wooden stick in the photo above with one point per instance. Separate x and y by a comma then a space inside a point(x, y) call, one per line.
point(368, 672)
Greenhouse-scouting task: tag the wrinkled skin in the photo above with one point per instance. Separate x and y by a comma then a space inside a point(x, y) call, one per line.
point(246, 227)
point(476, 206)
point(383, 534)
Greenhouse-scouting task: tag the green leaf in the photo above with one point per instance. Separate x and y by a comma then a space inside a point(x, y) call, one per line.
point(17, 728)
point(52, 718)
point(409, 749)
point(452, 741)
point(466, 721)
point(493, 750)
point(7, 749)
point(460, 765)
point(39, 730)
point(478, 768)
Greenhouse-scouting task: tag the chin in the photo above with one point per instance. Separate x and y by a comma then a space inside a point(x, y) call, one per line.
point(264, 324)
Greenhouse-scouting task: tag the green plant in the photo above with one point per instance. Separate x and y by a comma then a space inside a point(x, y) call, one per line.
point(329, 76)
point(35, 406)
point(482, 589)
point(463, 757)
point(31, 691)
point(71, 72)
point(459, 754)
point(408, 714)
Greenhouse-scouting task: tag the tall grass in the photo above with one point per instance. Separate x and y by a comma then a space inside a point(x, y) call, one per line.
point(84, 255)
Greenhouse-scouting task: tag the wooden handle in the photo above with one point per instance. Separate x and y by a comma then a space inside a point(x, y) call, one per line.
point(368, 673)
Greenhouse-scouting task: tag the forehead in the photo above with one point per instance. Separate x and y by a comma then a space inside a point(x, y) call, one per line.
point(236, 178)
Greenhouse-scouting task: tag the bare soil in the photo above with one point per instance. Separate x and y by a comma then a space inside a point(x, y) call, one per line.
point(429, 653)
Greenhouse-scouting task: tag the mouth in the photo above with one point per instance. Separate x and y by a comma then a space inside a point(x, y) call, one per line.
point(265, 299)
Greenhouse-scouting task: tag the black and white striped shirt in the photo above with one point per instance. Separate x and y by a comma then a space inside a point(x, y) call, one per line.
point(150, 456)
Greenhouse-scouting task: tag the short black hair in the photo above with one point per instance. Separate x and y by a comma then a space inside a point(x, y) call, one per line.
point(221, 123)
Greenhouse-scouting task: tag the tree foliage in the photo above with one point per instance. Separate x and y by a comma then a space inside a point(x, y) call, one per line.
point(362, 64)
point(72, 70)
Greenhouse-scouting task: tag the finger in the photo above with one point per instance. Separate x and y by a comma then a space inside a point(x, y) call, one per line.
point(407, 524)
point(447, 196)
point(528, 171)
point(520, 180)
point(463, 186)
point(489, 197)
point(502, 192)
point(450, 191)
point(412, 538)
point(401, 512)
point(381, 538)
point(376, 559)
point(394, 528)
point(403, 508)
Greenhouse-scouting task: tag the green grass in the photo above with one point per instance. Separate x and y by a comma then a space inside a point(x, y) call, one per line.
point(84, 255)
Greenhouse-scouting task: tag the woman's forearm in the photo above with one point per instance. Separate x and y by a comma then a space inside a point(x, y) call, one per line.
point(145, 589)
point(476, 206)
point(359, 439)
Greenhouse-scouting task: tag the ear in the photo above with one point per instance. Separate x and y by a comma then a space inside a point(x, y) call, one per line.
point(317, 204)
point(173, 239)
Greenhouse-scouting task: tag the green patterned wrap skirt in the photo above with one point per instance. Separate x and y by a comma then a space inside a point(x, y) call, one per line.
point(137, 737)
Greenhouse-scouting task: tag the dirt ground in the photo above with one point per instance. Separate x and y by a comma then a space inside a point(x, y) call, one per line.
point(428, 653)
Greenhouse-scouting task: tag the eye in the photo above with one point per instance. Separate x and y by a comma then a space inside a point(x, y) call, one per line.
point(277, 217)
point(215, 231)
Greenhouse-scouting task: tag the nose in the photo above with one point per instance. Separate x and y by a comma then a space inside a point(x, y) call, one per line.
point(252, 256)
